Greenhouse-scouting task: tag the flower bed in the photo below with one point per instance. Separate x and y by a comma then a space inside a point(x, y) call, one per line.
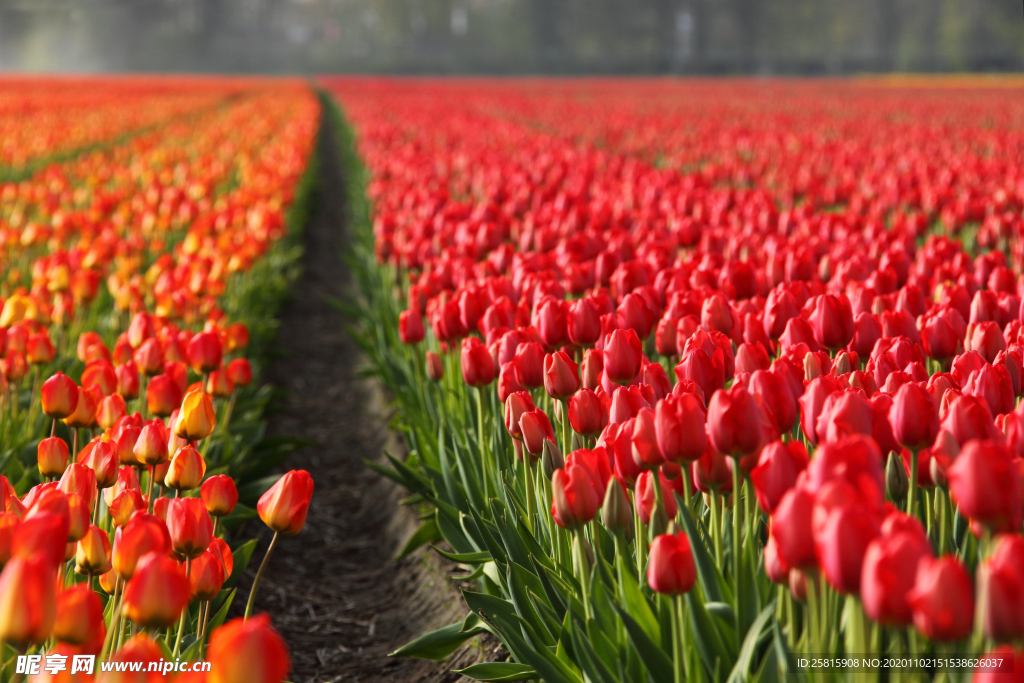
point(833, 473)
point(138, 283)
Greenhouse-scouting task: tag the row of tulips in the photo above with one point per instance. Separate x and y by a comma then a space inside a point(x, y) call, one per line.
point(835, 469)
point(132, 426)
point(44, 119)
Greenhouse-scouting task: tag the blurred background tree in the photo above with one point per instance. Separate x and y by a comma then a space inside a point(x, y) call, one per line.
point(514, 36)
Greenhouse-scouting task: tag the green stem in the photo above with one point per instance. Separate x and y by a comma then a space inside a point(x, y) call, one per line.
point(531, 503)
point(912, 496)
point(582, 569)
point(184, 613)
point(678, 641)
point(737, 527)
point(259, 575)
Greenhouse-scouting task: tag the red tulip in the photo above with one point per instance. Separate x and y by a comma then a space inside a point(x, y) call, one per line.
point(968, 418)
point(890, 570)
point(914, 417)
point(1001, 590)
point(622, 356)
point(219, 495)
point(645, 496)
point(942, 599)
point(79, 616)
point(163, 396)
point(670, 566)
point(680, 424)
point(985, 483)
point(410, 327)
point(144, 533)
point(189, 526)
point(776, 472)
point(791, 528)
point(157, 592)
point(831, 320)
point(529, 364)
point(993, 384)
point(535, 427)
point(240, 372)
point(477, 365)
point(27, 600)
point(583, 323)
point(59, 396)
point(435, 368)
point(207, 576)
point(204, 352)
point(574, 499)
point(734, 419)
point(585, 412)
point(561, 375)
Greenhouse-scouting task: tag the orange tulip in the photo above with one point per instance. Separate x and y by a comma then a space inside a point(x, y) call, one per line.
point(85, 410)
point(126, 442)
point(284, 506)
point(39, 350)
point(27, 601)
point(93, 553)
point(219, 383)
point(240, 372)
point(247, 651)
point(41, 535)
point(149, 358)
point(143, 534)
point(196, 419)
point(157, 592)
point(110, 410)
point(151, 446)
point(59, 396)
point(79, 615)
point(187, 469)
point(125, 504)
point(101, 458)
point(204, 352)
point(78, 517)
point(81, 480)
point(100, 374)
point(127, 381)
point(52, 454)
point(8, 522)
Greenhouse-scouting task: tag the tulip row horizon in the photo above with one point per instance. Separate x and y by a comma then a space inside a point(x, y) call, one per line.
point(702, 377)
point(141, 258)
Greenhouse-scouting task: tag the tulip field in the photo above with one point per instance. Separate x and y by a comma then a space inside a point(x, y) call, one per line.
point(146, 229)
point(703, 380)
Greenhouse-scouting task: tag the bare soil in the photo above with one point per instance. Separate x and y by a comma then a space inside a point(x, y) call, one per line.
point(333, 591)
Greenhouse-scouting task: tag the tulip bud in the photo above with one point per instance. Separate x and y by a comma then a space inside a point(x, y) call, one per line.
point(196, 419)
point(127, 381)
point(52, 456)
point(535, 427)
point(623, 355)
point(27, 600)
point(551, 459)
point(125, 504)
point(670, 567)
point(219, 495)
point(219, 384)
point(59, 396)
point(284, 506)
point(435, 368)
point(149, 358)
point(110, 410)
point(187, 469)
point(249, 650)
point(93, 553)
point(157, 592)
point(616, 513)
point(8, 522)
point(239, 372)
point(79, 616)
point(574, 499)
point(842, 364)
point(897, 483)
point(143, 534)
point(561, 375)
point(85, 410)
point(942, 599)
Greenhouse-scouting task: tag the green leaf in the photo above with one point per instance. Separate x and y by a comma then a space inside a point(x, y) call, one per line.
point(657, 663)
point(701, 557)
point(249, 494)
point(707, 638)
point(498, 671)
point(240, 557)
point(636, 604)
point(741, 669)
point(437, 644)
point(464, 558)
point(426, 533)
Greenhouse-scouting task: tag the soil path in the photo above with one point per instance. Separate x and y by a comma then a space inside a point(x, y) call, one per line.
point(333, 591)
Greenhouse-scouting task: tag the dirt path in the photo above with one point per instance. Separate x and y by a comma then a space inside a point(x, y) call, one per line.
point(333, 591)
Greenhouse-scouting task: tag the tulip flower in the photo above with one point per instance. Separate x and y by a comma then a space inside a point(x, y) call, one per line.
point(157, 591)
point(561, 376)
point(592, 368)
point(791, 529)
point(477, 365)
point(143, 534)
point(283, 508)
point(248, 651)
point(574, 498)
point(219, 495)
point(942, 599)
point(889, 572)
point(535, 428)
point(79, 616)
point(163, 396)
point(204, 352)
point(670, 567)
point(985, 484)
point(646, 497)
point(586, 414)
point(27, 601)
point(52, 455)
point(776, 472)
point(92, 555)
point(206, 576)
point(734, 419)
point(622, 356)
point(187, 469)
point(196, 418)
point(59, 396)
point(1001, 590)
point(410, 327)
point(435, 368)
point(646, 453)
point(190, 526)
point(239, 371)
